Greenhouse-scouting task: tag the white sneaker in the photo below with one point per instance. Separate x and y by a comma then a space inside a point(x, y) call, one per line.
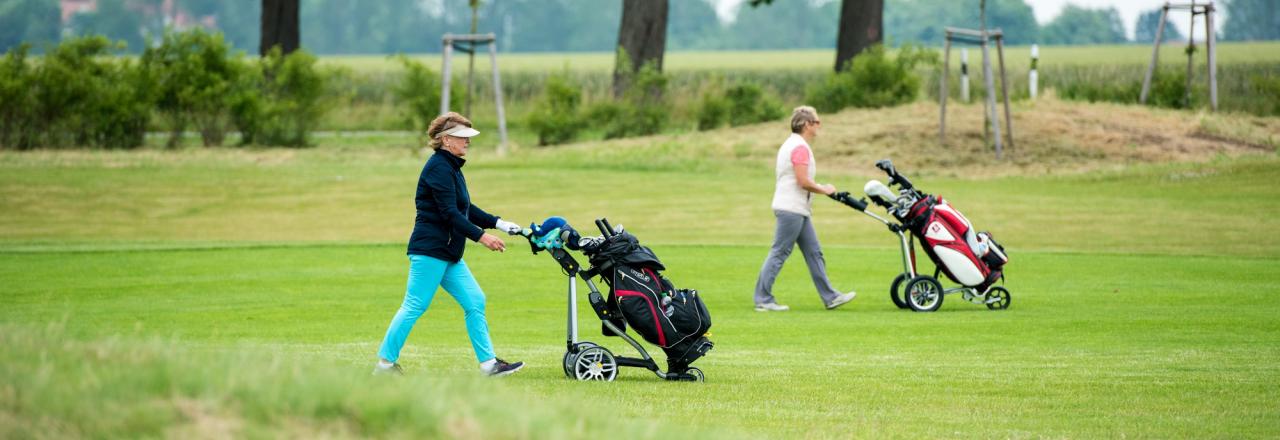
point(771, 307)
point(380, 369)
point(841, 300)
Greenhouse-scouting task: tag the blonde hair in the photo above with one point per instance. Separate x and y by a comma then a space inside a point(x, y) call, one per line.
point(802, 116)
point(442, 123)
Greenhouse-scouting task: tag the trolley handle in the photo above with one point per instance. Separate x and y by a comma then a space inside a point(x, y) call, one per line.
point(847, 199)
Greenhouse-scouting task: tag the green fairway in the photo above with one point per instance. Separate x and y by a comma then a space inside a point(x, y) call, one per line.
point(159, 293)
point(1092, 346)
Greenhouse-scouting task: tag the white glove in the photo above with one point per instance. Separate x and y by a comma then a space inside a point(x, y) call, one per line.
point(508, 227)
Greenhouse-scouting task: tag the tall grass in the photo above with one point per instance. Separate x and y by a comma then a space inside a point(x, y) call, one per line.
point(58, 385)
point(1245, 73)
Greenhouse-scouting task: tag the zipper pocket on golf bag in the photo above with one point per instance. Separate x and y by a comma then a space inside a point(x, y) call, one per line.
point(659, 313)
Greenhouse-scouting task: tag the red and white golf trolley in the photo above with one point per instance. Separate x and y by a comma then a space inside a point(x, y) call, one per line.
point(970, 258)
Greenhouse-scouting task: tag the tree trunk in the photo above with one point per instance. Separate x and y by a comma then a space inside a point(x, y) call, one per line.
point(861, 25)
point(642, 36)
point(279, 26)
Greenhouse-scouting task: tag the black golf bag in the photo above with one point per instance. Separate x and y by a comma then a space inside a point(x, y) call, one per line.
point(639, 296)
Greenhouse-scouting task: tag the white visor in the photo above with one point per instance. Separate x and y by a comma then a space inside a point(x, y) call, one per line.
point(461, 131)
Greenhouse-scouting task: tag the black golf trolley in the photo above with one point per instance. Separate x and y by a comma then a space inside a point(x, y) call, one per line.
point(585, 360)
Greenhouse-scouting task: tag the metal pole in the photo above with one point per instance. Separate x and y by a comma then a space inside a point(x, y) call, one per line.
point(1033, 79)
point(991, 94)
point(942, 93)
point(497, 95)
point(1212, 47)
point(1004, 90)
point(573, 309)
point(964, 75)
point(445, 76)
point(1155, 55)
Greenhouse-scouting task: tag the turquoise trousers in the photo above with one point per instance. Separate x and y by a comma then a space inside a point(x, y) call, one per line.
point(426, 275)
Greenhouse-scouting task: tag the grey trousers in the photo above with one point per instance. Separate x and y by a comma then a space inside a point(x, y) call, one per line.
point(794, 229)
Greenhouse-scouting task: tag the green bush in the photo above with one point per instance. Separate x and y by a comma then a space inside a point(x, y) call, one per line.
point(76, 96)
point(17, 103)
point(555, 116)
point(738, 105)
point(713, 110)
point(418, 93)
point(873, 79)
point(643, 108)
point(198, 82)
point(290, 99)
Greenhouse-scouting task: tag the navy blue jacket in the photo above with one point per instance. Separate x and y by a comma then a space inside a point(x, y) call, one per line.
point(446, 217)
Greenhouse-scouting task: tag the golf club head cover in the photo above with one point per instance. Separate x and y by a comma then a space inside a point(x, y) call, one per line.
point(548, 234)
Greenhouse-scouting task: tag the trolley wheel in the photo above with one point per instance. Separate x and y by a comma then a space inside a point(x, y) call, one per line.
point(697, 374)
point(568, 356)
point(923, 294)
point(893, 291)
point(595, 363)
point(1001, 296)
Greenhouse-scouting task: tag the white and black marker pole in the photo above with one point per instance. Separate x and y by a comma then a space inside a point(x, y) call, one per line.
point(1032, 77)
point(964, 75)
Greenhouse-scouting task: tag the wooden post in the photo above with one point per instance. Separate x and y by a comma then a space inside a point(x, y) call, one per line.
point(1212, 48)
point(942, 94)
point(497, 95)
point(1004, 89)
point(991, 94)
point(445, 75)
point(1155, 55)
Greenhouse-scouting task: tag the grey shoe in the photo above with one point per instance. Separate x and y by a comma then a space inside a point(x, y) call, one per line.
point(841, 300)
point(771, 307)
point(391, 370)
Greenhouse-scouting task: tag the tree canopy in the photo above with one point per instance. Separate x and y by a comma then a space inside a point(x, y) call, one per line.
point(415, 26)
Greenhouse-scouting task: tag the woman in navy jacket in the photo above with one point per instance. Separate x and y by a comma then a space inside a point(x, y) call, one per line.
point(445, 220)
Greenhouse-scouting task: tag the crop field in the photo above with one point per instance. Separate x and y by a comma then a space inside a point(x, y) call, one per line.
point(243, 292)
point(1016, 57)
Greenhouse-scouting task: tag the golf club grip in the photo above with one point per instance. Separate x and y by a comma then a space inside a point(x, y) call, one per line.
point(603, 229)
point(608, 227)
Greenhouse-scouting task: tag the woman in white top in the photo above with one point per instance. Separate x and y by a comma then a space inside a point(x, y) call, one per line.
point(793, 205)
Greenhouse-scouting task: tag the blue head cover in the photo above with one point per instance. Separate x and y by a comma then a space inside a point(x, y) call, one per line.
point(547, 235)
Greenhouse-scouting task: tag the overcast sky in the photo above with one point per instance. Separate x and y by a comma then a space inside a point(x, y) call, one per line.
point(1046, 10)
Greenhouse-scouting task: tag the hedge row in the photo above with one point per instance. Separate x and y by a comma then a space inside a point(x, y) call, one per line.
point(78, 95)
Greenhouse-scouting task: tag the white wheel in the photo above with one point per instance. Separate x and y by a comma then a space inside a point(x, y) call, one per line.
point(697, 374)
point(923, 294)
point(595, 363)
point(569, 356)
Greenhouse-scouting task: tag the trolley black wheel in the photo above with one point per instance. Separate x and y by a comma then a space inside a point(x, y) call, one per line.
point(923, 294)
point(697, 374)
point(998, 298)
point(894, 294)
point(595, 363)
point(568, 356)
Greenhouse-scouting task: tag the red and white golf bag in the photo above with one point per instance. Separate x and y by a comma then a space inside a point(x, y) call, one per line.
point(970, 258)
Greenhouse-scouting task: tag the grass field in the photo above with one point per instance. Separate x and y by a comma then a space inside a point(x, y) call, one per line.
point(366, 102)
point(243, 292)
point(1016, 57)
